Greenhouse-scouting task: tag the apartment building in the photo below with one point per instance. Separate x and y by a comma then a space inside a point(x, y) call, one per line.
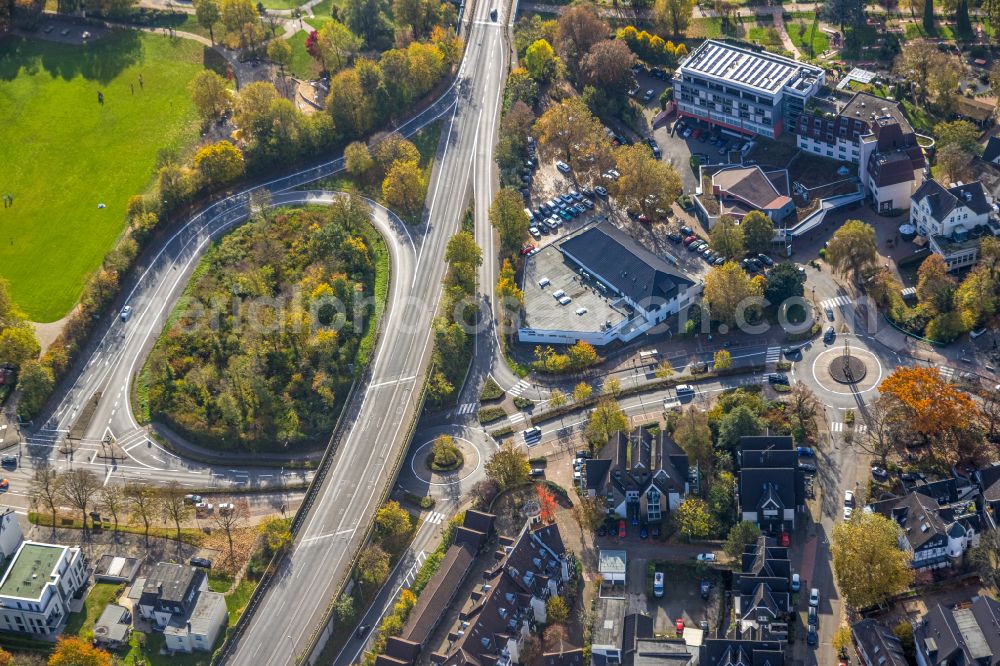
point(37, 587)
point(873, 133)
point(954, 220)
point(743, 89)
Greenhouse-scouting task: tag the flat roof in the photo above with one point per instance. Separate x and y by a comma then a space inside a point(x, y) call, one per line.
point(756, 69)
point(543, 312)
point(609, 619)
point(31, 570)
point(612, 561)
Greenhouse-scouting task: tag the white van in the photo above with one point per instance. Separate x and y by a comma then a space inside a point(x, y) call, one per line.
point(684, 389)
point(658, 584)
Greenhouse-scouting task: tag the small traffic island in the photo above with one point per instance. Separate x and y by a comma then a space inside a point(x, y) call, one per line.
point(848, 369)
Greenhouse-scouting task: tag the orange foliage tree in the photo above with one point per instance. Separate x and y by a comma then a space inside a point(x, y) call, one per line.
point(75, 652)
point(935, 406)
point(547, 503)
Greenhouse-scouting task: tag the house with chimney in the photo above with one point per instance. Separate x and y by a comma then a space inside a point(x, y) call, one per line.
point(741, 652)
point(876, 645)
point(639, 474)
point(967, 634)
point(771, 485)
point(954, 220)
point(176, 599)
point(762, 591)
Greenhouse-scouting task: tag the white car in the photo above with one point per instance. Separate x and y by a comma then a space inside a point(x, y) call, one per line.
point(126, 312)
point(562, 166)
point(848, 512)
point(204, 507)
point(814, 597)
point(226, 508)
point(705, 557)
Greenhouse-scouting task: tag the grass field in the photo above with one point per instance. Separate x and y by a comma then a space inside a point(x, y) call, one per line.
point(63, 153)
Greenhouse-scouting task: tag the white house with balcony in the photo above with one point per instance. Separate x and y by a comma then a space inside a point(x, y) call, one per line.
point(954, 220)
point(37, 587)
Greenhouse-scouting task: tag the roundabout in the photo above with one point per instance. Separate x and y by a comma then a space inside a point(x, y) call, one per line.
point(475, 448)
point(837, 372)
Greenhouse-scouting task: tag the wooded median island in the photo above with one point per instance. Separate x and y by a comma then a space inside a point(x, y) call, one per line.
point(261, 350)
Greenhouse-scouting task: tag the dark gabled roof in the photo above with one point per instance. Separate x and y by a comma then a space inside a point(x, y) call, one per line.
point(944, 491)
point(986, 611)
point(916, 514)
point(635, 628)
point(965, 635)
point(776, 483)
point(767, 443)
point(625, 265)
point(988, 479)
point(440, 592)
point(943, 201)
point(595, 473)
point(762, 600)
point(878, 643)
point(171, 583)
point(733, 652)
point(479, 521)
point(992, 150)
point(565, 657)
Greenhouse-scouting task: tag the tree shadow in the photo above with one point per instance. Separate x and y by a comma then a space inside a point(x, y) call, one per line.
point(101, 61)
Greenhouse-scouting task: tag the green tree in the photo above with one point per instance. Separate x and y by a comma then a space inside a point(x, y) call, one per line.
point(372, 567)
point(509, 219)
point(645, 182)
point(606, 419)
point(783, 283)
point(740, 536)
point(404, 189)
point(335, 44)
point(730, 295)
point(867, 561)
point(208, 14)
point(694, 520)
point(853, 250)
point(280, 53)
point(844, 13)
point(673, 15)
point(540, 61)
point(723, 360)
point(694, 436)
point(935, 287)
point(508, 467)
point(392, 524)
point(36, 382)
point(277, 534)
point(958, 132)
point(740, 422)
point(210, 94)
point(991, 10)
point(963, 26)
point(368, 19)
point(722, 497)
point(219, 163)
point(18, 344)
point(557, 398)
point(358, 160)
point(727, 238)
point(758, 231)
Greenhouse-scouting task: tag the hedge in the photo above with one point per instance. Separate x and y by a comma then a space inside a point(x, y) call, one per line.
point(490, 414)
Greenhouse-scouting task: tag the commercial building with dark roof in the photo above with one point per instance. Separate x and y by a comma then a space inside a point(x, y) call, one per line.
point(954, 220)
point(599, 285)
point(966, 635)
point(873, 133)
point(771, 486)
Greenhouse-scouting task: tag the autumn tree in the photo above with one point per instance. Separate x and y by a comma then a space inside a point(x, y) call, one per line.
point(673, 15)
point(978, 296)
point(578, 29)
point(582, 391)
point(279, 51)
point(277, 534)
point(758, 232)
point(853, 250)
point(803, 406)
point(394, 148)
point(730, 295)
point(508, 467)
point(112, 500)
point(393, 525)
point(693, 518)
point(44, 489)
point(869, 565)
point(953, 163)
point(935, 287)
point(6, 658)
point(723, 360)
point(143, 504)
point(645, 183)
point(77, 488)
point(333, 46)
point(933, 406)
point(373, 566)
point(512, 139)
point(570, 132)
point(556, 610)
point(612, 386)
point(606, 419)
point(738, 423)
point(540, 60)
point(664, 369)
point(694, 436)
point(557, 398)
point(404, 189)
point(219, 163)
point(174, 507)
point(207, 14)
point(73, 651)
point(727, 238)
point(547, 504)
point(18, 344)
point(242, 22)
point(509, 295)
point(358, 160)
point(607, 66)
point(210, 94)
point(231, 519)
point(740, 536)
point(509, 219)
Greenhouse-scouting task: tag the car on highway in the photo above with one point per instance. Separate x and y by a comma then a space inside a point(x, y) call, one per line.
point(879, 474)
point(493, 14)
point(684, 389)
point(126, 313)
point(805, 451)
point(362, 630)
point(562, 166)
point(814, 597)
point(705, 557)
point(829, 335)
point(202, 562)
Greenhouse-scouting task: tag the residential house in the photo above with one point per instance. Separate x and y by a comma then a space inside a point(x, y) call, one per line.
point(599, 285)
point(954, 220)
point(640, 474)
point(113, 629)
point(744, 90)
point(491, 626)
point(771, 486)
point(742, 189)
point(200, 627)
point(876, 645)
point(964, 635)
point(607, 637)
point(762, 590)
point(38, 584)
point(741, 652)
point(938, 522)
point(873, 133)
point(991, 153)
point(11, 535)
point(988, 482)
point(170, 590)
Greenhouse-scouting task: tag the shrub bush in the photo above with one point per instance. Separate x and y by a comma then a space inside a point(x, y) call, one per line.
point(491, 414)
point(491, 390)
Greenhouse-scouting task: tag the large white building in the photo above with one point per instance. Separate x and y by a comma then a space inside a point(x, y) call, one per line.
point(954, 220)
point(749, 91)
point(37, 587)
point(873, 133)
point(599, 285)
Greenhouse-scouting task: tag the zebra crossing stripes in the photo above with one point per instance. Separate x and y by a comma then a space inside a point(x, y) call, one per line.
point(520, 387)
point(946, 371)
point(434, 518)
point(773, 355)
point(835, 302)
point(467, 408)
point(516, 417)
point(837, 426)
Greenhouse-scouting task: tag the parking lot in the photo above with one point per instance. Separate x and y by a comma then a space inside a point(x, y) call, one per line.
point(682, 598)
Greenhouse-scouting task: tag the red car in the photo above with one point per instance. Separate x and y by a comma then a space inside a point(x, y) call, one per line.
point(643, 218)
point(680, 627)
point(621, 528)
point(784, 540)
point(689, 240)
point(526, 248)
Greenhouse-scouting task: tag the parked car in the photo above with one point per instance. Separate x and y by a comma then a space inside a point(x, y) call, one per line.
point(813, 617)
point(621, 529)
point(535, 233)
point(584, 454)
point(226, 508)
point(814, 597)
point(532, 434)
point(796, 582)
point(705, 557)
point(680, 626)
point(684, 389)
point(784, 539)
point(829, 335)
point(766, 260)
point(193, 499)
point(644, 532)
point(805, 451)
point(687, 231)
point(829, 312)
point(537, 472)
point(9, 461)
point(204, 507)
point(562, 166)
point(807, 468)
point(777, 378)
point(601, 191)
point(658, 584)
point(879, 473)
point(812, 638)
point(4, 485)
point(526, 248)
point(202, 562)
point(689, 239)
point(705, 587)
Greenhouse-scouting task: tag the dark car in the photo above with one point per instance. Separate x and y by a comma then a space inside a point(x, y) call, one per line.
point(807, 468)
point(829, 335)
point(584, 453)
point(705, 587)
point(687, 231)
point(805, 451)
point(602, 531)
point(202, 562)
point(767, 261)
point(879, 473)
point(812, 638)
point(493, 15)
point(363, 629)
point(644, 532)
point(9, 461)
point(777, 378)
point(675, 237)
point(601, 191)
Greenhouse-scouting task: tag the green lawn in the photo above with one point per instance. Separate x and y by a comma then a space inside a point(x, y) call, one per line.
point(82, 624)
point(64, 154)
point(302, 66)
point(806, 34)
point(282, 4)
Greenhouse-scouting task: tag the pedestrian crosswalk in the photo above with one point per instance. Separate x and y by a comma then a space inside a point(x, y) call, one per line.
point(517, 417)
point(835, 302)
point(434, 518)
point(773, 355)
point(946, 371)
point(467, 408)
point(836, 426)
point(520, 387)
